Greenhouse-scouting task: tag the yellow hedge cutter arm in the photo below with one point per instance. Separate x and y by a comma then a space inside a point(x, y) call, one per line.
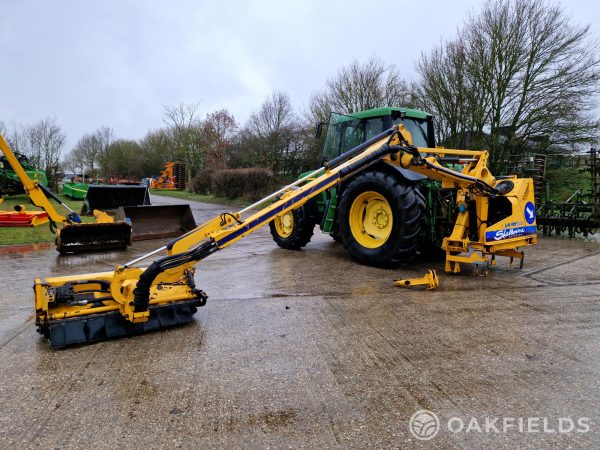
point(91, 307)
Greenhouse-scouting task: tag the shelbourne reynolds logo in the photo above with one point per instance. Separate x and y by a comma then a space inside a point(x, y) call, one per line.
point(508, 233)
point(425, 425)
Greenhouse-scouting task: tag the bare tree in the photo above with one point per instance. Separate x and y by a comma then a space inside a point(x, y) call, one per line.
point(218, 130)
point(518, 73)
point(74, 161)
point(104, 137)
point(357, 87)
point(45, 141)
point(92, 149)
point(184, 123)
point(157, 148)
point(269, 132)
point(15, 136)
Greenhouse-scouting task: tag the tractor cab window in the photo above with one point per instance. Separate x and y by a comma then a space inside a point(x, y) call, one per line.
point(417, 129)
point(343, 133)
point(346, 132)
point(373, 127)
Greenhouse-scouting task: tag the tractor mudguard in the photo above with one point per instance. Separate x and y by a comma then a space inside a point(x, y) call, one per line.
point(408, 174)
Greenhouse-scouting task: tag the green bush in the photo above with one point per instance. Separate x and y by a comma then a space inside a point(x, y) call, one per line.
point(249, 184)
point(202, 183)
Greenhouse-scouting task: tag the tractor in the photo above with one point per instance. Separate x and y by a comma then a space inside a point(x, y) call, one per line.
point(384, 215)
point(9, 180)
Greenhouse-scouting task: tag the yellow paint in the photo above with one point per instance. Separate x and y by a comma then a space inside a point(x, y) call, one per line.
point(371, 223)
point(371, 219)
point(284, 224)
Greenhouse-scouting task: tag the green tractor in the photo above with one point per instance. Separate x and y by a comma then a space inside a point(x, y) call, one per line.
point(9, 181)
point(383, 215)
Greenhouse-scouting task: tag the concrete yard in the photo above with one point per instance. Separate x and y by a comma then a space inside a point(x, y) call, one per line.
point(310, 349)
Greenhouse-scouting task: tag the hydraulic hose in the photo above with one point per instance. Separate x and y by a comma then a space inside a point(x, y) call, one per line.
point(141, 293)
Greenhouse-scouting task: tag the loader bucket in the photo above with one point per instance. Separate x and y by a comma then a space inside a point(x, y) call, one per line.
point(83, 237)
point(109, 197)
point(155, 222)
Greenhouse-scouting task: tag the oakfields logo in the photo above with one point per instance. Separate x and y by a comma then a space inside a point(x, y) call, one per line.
point(425, 425)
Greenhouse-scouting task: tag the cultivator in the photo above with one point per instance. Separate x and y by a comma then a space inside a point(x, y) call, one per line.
point(580, 213)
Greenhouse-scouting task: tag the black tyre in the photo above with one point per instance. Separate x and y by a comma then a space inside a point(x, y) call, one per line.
point(294, 229)
point(335, 233)
point(382, 219)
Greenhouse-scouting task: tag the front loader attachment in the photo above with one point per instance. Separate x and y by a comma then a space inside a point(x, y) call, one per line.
point(155, 222)
point(85, 237)
point(109, 197)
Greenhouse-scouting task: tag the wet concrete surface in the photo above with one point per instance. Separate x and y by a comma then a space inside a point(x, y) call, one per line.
point(309, 349)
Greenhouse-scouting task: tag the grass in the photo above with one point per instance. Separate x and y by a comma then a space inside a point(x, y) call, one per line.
point(238, 203)
point(31, 235)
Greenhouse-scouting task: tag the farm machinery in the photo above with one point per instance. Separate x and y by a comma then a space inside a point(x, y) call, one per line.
point(71, 234)
point(391, 212)
point(382, 203)
point(580, 213)
point(172, 178)
point(121, 214)
point(10, 184)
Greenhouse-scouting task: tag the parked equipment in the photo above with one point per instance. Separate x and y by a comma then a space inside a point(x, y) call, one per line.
point(10, 184)
point(132, 204)
point(155, 222)
point(494, 218)
point(19, 217)
point(76, 191)
point(391, 212)
point(72, 236)
point(580, 213)
point(108, 197)
point(172, 178)
point(22, 218)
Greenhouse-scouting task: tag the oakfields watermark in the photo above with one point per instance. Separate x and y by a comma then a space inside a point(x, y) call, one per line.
point(425, 425)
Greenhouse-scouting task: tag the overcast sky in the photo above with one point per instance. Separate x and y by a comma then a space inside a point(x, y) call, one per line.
point(118, 63)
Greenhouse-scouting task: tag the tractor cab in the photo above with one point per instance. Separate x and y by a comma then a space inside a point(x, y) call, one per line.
point(347, 131)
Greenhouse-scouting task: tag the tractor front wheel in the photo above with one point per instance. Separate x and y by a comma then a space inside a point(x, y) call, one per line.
point(382, 219)
point(294, 229)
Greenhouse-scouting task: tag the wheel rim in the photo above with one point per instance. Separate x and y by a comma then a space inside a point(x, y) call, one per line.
point(284, 224)
point(371, 219)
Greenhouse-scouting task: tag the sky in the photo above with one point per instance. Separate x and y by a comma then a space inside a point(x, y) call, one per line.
point(118, 63)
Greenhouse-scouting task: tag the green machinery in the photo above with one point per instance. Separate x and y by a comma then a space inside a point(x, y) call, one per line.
point(381, 196)
point(10, 184)
point(76, 191)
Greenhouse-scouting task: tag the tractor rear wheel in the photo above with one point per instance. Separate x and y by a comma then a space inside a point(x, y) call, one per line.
point(294, 229)
point(382, 219)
